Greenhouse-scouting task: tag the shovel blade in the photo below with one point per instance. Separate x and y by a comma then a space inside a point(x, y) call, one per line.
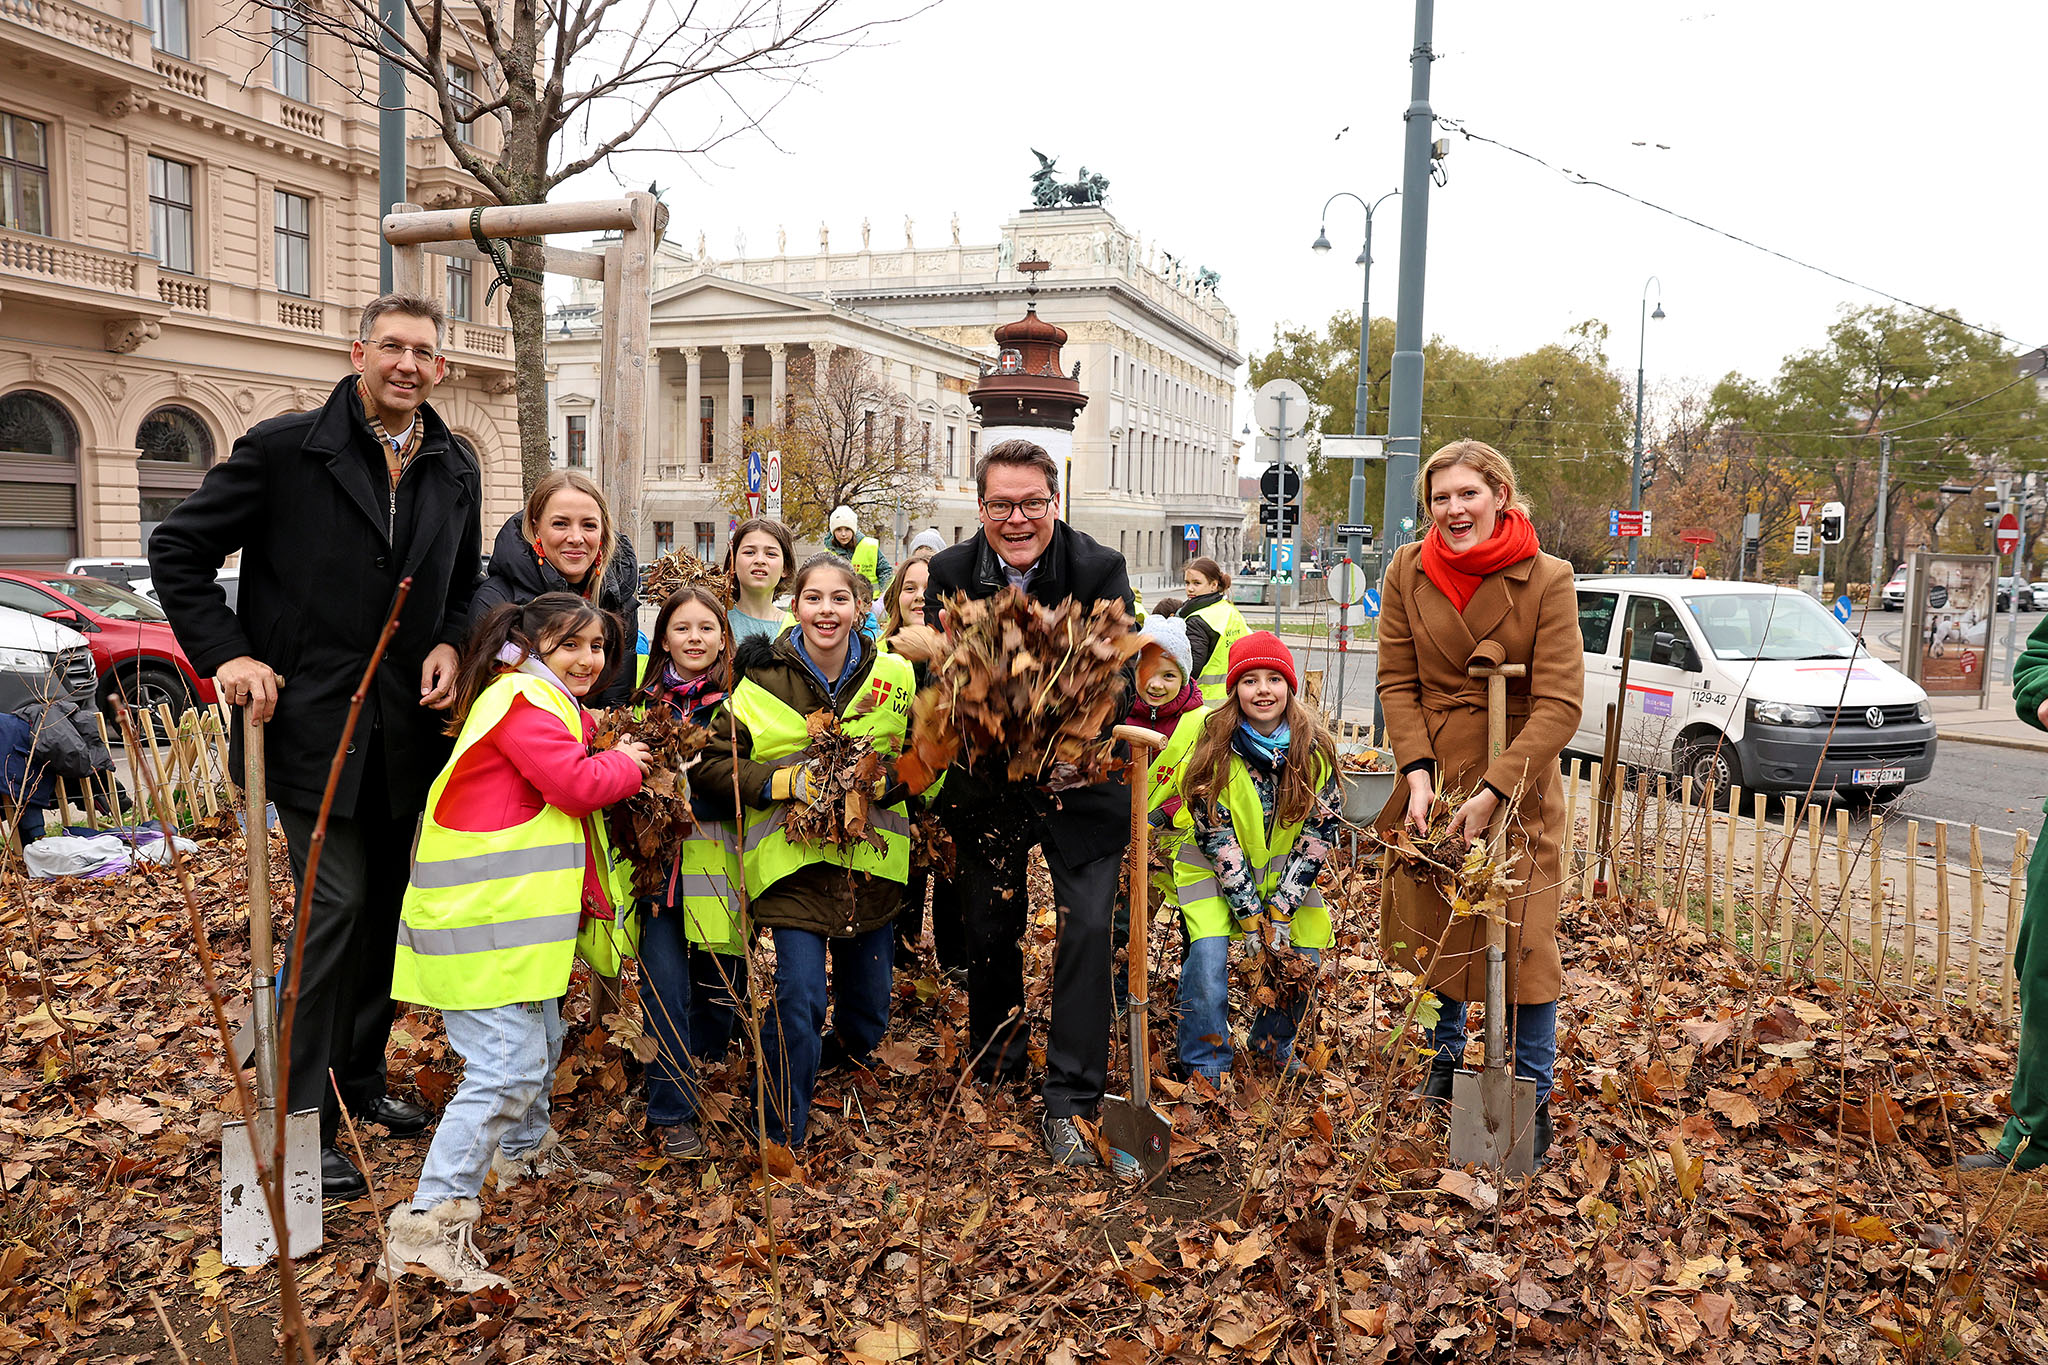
point(246, 1236)
point(1493, 1121)
point(1140, 1138)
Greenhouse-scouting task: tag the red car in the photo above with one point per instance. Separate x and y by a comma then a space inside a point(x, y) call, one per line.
point(132, 645)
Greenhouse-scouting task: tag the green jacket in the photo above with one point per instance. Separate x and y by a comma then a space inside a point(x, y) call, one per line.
point(2030, 677)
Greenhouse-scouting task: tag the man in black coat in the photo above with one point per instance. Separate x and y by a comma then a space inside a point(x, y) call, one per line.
point(1083, 832)
point(330, 510)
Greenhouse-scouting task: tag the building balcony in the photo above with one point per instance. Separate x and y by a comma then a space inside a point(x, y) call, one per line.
point(107, 50)
point(85, 279)
point(436, 178)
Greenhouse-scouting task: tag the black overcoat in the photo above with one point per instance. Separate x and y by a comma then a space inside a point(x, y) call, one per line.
point(324, 544)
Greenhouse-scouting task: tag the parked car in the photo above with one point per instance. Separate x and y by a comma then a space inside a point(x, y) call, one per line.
point(1743, 684)
point(230, 581)
point(1895, 592)
point(134, 652)
point(2009, 587)
point(2040, 586)
point(121, 571)
point(41, 660)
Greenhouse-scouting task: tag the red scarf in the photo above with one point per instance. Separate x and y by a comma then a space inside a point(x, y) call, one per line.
point(1459, 574)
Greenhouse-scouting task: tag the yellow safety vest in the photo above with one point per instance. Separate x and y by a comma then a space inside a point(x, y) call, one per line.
point(879, 708)
point(866, 558)
point(707, 877)
point(1199, 890)
point(1227, 621)
point(491, 917)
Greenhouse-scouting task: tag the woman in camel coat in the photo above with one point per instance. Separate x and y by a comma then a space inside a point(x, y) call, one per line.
point(1478, 589)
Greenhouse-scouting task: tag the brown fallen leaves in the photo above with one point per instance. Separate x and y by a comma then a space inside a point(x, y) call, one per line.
point(681, 569)
point(1032, 687)
point(848, 769)
point(653, 824)
point(932, 848)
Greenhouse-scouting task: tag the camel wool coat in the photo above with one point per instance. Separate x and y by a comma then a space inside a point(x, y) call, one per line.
point(1527, 613)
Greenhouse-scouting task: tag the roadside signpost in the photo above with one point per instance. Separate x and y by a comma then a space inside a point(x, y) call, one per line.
point(1623, 522)
point(772, 484)
point(1843, 609)
point(754, 483)
point(1347, 589)
point(1281, 411)
point(1802, 540)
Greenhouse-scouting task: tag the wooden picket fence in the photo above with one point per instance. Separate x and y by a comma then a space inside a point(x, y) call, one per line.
point(1791, 885)
point(178, 774)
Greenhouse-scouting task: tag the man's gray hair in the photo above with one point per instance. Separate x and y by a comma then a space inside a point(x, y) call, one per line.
point(411, 305)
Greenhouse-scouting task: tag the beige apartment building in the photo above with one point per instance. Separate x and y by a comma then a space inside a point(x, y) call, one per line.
point(188, 227)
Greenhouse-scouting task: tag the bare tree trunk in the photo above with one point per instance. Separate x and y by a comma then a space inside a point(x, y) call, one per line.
point(529, 369)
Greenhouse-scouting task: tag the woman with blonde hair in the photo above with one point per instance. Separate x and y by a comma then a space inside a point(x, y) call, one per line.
point(1477, 589)
point(564, 540)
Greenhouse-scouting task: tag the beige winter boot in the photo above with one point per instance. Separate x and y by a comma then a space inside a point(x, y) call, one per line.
point(543, 1161)
point(437, 1242)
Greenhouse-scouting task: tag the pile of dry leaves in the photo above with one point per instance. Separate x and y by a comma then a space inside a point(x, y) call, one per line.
point(1018, 683)
point(652, 825)
point(1746, 1170)
point(849, 772)
point(681, 569)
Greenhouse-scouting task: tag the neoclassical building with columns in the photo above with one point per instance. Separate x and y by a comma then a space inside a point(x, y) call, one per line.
point(1157, 350)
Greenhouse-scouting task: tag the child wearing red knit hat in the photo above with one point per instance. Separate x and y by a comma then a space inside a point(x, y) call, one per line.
point(1260, 792)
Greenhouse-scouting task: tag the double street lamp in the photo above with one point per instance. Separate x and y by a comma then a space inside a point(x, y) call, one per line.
point(1635, 476)
point(1322, 245)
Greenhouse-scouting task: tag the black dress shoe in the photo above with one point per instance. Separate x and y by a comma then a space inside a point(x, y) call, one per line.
point(1982, 1161)
point(1544, 1131)
point(339, 1178)
point(1436, 1086)
point(402, 1118)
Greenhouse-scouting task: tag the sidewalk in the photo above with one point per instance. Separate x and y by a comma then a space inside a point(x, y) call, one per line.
point(1959, 720)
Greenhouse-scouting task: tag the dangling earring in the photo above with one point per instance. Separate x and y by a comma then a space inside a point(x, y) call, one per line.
point(538, 553)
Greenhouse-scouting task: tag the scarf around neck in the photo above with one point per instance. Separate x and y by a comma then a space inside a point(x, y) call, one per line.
point(1271, 750)
point(1458, 574)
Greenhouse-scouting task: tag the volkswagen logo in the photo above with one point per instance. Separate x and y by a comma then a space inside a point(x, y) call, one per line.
point(1874, 717)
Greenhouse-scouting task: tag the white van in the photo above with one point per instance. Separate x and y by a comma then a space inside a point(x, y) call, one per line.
point(1747, 684)
point(41, 660)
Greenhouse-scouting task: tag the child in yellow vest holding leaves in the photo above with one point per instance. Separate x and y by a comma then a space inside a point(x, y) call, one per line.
point(509, 868)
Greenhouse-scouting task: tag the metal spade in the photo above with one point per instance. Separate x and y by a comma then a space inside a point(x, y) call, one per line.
point(1140, 1137)
point(1493, 1112)
point(246, 1236)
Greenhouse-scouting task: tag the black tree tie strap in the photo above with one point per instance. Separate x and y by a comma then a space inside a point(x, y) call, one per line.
point(494, 249)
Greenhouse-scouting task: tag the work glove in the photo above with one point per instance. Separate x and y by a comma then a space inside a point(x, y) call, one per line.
point(795, 783)
point(1280, 934)
point(1253, 940)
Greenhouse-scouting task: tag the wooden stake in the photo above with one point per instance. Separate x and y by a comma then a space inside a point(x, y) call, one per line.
point(1813, 910)
point(1783, 899)
point(1663, 831)
point(1973, 969)
point(1910, 966)
point(1840, 917)
point(1941, 909)
point(1876, 901)
point(1684, 846)
point(1760, 920)
point(1575, 867)
point(2015, 901)
point(1729, 906)
point(1707, 863)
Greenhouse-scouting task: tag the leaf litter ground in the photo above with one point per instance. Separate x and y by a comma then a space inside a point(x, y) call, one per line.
point(1745, 1171)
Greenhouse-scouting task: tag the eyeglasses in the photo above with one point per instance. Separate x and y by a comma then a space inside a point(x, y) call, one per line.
point(999, 509)
point(394, 351)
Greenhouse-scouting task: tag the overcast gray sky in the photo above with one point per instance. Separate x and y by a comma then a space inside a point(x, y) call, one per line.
point(1890, 143)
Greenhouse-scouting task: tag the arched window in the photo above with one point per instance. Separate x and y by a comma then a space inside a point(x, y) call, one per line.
point(38, 480)
point(176, 451)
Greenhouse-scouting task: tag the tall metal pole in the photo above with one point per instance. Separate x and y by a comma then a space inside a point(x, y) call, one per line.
point(2019, 549)
point(1635, 476)
point(1877, 546)
point(1404, 415)
point(1280, 511)
point(390, 128)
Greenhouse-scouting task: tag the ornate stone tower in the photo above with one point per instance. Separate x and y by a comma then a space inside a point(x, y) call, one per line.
point(1024, 393)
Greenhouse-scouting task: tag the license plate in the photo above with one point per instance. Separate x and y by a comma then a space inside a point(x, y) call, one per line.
point(1876, 777)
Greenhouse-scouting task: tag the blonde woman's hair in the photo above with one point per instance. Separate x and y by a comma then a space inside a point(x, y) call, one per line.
point(575, 481)
point(1489, 463)
point(1208, 768)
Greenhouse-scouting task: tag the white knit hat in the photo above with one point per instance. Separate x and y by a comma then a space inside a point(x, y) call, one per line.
point(1170, 634)
point(843, 516)
point(927, 539)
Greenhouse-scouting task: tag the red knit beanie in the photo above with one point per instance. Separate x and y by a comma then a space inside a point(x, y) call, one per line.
point(1261, 649)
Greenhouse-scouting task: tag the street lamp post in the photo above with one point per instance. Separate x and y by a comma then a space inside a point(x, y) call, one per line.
point(1635, 475)
point(1356, 503)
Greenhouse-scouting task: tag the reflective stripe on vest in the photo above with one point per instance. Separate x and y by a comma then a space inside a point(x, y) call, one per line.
point(1200, 891)
point(877, 707)
point(1228, 622)
point(490, 917)
point(706, 892)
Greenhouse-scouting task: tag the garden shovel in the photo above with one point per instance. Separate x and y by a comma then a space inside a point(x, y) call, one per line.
point(1493, 1112)
point(246, 1236)
point(1140, 1137)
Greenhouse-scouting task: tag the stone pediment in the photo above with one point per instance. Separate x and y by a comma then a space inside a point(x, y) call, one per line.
point(712, 296)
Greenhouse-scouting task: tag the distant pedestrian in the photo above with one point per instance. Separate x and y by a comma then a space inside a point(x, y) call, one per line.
point(1214, 624)
point(330, 509)
point(862, 551)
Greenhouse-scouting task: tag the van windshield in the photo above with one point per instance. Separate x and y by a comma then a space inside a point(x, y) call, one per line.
point(1768, 626)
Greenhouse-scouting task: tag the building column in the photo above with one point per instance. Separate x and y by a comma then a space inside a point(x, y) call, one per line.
point(735, 357)
point(693, 401)
point(778, 381)
point(109, 504)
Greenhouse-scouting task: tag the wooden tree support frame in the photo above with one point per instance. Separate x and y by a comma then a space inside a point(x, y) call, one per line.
point(626, 373)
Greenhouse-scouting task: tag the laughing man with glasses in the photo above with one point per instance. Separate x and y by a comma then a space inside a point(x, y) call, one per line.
point(1083, 833)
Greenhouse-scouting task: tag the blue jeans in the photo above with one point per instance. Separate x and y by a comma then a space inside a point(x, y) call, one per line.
point(1535, 1038)
point(791, 1040)
point(1202, 1038)
point(689, 997)
point(509, 1055)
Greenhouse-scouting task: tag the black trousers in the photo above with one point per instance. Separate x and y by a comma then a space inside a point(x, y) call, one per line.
point(349, 937)
point(949, 935)
point(996, 907)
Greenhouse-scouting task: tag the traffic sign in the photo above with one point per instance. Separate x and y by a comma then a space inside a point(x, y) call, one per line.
point(1806, 511)
point(753, 473)
point(1266, 406)
point(1265, 449)
point(1802, 540)
point(772, 484)
point(1353, 447)
point(1349, 528)
point(1192, 533)
point(1843, 610)
point(1281, 482)
point(1372, 602)
point(2008, 533)
point(1622, 522)
point(1348, 585)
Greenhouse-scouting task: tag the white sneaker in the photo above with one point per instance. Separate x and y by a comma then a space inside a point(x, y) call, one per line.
point(550, 1158)
point(437, 1242)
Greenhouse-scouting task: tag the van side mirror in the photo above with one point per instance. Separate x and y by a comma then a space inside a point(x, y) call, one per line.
point(1669, 649)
